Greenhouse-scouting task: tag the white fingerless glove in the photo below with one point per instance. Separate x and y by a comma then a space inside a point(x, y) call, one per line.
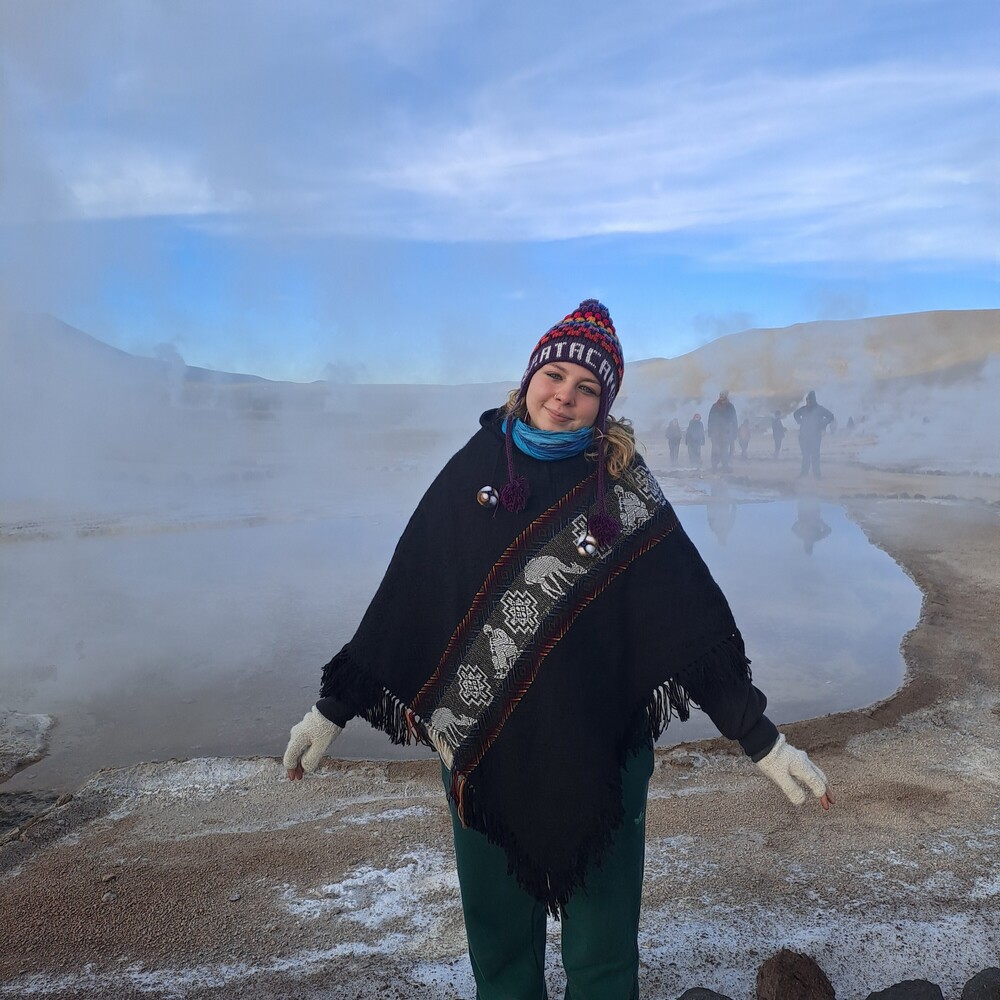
point(309, 740)
point(786, 767)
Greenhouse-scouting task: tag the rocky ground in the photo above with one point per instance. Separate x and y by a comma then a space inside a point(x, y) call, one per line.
point(219, 879)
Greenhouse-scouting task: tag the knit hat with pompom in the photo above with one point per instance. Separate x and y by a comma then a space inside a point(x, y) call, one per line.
point(584, 337)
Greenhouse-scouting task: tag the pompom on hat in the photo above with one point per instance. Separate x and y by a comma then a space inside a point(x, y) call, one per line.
point(584, 337)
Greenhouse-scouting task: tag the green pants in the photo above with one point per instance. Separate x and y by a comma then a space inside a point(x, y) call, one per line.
point(505, 926)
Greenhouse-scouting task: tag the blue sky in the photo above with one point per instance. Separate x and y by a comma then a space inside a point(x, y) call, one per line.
point(400, 191)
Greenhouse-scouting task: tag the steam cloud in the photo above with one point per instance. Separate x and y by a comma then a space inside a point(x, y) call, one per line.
point(182, 542)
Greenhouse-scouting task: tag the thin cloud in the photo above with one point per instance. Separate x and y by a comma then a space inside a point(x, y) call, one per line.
point(116, 183)
point(333, 122)
point(718, 156)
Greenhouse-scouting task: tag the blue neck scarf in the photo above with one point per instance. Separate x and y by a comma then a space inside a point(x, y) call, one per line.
point(549, 445)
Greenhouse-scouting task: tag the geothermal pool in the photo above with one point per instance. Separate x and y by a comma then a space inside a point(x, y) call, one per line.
point(186, 640)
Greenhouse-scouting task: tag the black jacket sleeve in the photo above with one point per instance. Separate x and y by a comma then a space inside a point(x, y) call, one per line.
point(737, 711)
point(336, 711)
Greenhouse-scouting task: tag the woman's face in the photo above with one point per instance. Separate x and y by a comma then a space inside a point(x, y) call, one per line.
point(563, 396)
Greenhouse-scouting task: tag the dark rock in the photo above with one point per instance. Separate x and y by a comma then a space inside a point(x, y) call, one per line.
point(697, 993)
point(909, 989)
point(984, 985)
point(790, 975)
point(17, 809)
point(24, 739)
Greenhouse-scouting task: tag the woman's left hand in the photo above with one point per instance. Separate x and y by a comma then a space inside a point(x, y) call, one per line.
point(789, 769)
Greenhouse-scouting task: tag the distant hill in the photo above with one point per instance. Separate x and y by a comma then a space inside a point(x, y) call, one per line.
point(923, 386)
point(773, 367)
point(84, 420)
point(41, 348)
point(46, 363)
point(45, 342)
point(787, 362)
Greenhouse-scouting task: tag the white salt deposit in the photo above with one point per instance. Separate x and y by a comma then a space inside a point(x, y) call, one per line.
point(363, 819)
point(375, 897)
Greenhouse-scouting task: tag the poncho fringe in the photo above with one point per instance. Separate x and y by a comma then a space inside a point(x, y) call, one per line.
point(673, 698)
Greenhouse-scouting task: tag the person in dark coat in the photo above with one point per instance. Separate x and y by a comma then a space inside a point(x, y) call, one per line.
point(694, 438)
point(812, 419)
point(723, 426)
point(674, 440)
point(777, 431)
point(543, 617)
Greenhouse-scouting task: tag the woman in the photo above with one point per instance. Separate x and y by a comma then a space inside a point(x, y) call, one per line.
point(543, 617)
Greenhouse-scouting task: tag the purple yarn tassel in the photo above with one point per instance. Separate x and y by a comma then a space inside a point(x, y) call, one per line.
point(602, 525)
point(514, 493)
point(604, 528)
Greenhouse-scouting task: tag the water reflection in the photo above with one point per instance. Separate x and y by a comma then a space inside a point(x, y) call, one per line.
point(721, 510)
point(817, 645)
point(810, 526)
point(120, 636)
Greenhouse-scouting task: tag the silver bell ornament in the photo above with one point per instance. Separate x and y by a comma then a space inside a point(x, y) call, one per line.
point(586, 545)
point(487, 496)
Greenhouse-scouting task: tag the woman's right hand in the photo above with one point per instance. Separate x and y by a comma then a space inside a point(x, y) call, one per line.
point(307, 743)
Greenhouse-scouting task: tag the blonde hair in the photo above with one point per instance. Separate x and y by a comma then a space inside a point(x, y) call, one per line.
point(619, 437)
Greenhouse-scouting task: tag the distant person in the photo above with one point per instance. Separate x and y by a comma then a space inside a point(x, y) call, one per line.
point(810, 526)
point(543, 617)
point(744, 438)
point(850, 423)
point(722, 429)
point(674, 436)
point(812, 420)
point(694, 438)
point(777, 431)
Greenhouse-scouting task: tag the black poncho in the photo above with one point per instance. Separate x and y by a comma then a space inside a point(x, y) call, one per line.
point(536, 669)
